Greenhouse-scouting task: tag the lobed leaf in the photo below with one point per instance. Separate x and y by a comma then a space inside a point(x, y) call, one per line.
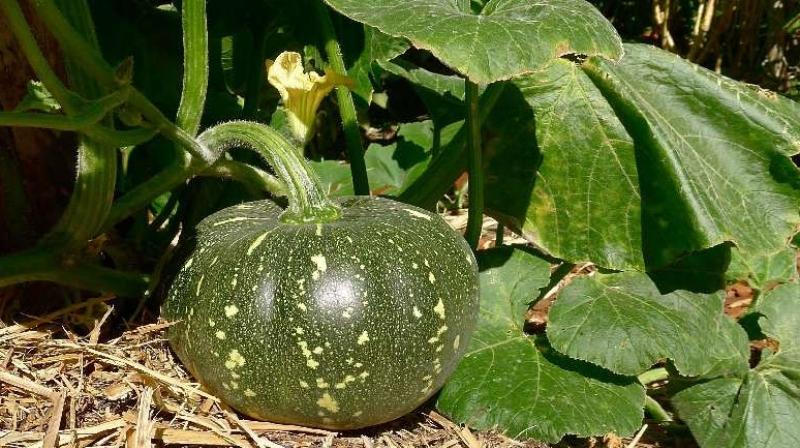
point(506, 38)
point(565, 175)
point(516, 383)
point(761, 408)
point(622, 322)
point(713, 155)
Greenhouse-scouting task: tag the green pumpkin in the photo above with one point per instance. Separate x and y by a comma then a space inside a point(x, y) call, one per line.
point(343, 323)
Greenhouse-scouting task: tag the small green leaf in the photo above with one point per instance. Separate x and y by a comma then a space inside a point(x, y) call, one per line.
point(622, 322)
point(762, 408)
point(505, 39)
point(713, 155)
point(516, 383)
point(567, 179)
point(37, 97)
point(391, 168)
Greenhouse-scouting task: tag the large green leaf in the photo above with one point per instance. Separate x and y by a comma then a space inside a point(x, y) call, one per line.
point(577, 196)
point(762, 408)
point(622, 322)
point(507, 38)
point(516, 383)
point(713, 155)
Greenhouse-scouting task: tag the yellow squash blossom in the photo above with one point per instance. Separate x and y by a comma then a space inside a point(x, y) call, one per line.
point(301, 92)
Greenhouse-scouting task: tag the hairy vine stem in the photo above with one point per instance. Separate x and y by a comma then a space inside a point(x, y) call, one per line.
point(347, 108)
point(474, 166)
point(307, 199)
point(451, 161)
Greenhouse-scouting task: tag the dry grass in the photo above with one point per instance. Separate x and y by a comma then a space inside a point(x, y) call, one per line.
point(62, 385)
point(80, 376)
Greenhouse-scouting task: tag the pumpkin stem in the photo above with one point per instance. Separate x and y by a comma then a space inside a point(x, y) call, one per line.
point(307, 199)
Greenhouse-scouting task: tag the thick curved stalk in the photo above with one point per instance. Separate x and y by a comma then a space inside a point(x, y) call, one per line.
point(138, 198)
point(347, 108)
point(91, 113)
point(307, 199)
point(44, 264)
point(93, 63)
point(195, 66)
point(96, 177)
point(254, 177)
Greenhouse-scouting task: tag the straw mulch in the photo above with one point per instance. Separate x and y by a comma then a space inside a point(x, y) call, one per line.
point(66, 384)
point(81, 376)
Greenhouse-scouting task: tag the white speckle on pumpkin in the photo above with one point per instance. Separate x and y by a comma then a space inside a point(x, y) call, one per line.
point(349, 240)
point(231, 310)
point(417, 214)
point(226, 221)
point(347, 380)
point(235, 375)
point(199, 284)
point(303, 384)
point(319, 230)
point(302, 306)
point(417, 312)
point(234, 282)
point(220, 334)
point(317, 350)
point(358, 365)
point(299, 330)
point(321, 262)
point(363, 338)
point(214, 261)
point(312, 364)
point(439, 348)
point(234, 385)
point(431, 277)
point(235, 359)
point(249, 393)
point(257, 242)
point(189, 263)
point(363, 375)
point(414, 265)
point(349, 360)
point(357, 413)
point(211, 323)
point(327, 402)
point(427, 265)
point(322, 384)
point(439, 309)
